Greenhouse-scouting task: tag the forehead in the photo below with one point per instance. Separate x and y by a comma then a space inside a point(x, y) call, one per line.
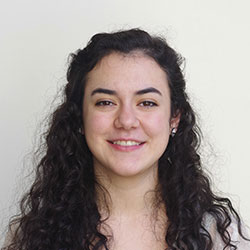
point(130, 71)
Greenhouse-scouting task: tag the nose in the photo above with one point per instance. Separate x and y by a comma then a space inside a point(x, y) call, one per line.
point(126, 118)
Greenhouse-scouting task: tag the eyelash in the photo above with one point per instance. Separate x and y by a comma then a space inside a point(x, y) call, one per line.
point(147, 104)
point(104, 103)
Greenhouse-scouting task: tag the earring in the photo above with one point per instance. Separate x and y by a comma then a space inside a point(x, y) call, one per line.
point(80, 131)
point(169, 160)
point(173, 132)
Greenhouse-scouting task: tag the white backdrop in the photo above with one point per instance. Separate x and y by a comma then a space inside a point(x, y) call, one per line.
point(36, 38)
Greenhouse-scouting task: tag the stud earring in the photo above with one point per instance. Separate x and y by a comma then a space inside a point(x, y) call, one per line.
point(173, 132)
point(80, 130)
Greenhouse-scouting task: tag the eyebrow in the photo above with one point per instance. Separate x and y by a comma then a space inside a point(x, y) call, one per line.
point(112, 92)
point(103, 91)
point(148, 90)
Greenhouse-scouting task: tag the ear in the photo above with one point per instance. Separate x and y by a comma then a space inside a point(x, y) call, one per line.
point(82, 128)
point(174, 121)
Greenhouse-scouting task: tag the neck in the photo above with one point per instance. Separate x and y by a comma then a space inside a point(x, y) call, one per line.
point(127, 195)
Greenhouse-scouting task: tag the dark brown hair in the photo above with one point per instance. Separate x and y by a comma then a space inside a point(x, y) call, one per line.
point(60, 210)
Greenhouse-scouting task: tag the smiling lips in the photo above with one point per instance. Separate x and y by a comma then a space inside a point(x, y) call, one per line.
point(126, 145)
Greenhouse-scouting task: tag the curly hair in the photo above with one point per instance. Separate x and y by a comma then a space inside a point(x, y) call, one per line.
point(60, 210)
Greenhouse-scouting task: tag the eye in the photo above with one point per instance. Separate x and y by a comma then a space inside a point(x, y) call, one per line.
point(148, 104)
point(104, 103)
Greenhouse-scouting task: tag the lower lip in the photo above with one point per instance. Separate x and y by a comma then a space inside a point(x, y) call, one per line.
point(126, 148)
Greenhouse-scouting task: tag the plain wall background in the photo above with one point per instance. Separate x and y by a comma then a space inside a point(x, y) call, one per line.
point(36, 38)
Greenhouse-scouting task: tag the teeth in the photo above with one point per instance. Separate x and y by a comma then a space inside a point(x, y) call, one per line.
point(126, 143)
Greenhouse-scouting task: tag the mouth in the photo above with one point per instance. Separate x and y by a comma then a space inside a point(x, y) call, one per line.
point(126, 143)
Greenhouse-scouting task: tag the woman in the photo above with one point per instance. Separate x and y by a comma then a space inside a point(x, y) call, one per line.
point(121, 168)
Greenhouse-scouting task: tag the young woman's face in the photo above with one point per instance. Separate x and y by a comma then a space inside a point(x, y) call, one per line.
point(126, 114)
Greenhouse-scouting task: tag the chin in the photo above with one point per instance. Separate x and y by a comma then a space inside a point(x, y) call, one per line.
point(132, 171)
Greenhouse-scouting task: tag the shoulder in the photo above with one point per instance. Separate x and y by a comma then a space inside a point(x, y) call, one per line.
point(209, 222)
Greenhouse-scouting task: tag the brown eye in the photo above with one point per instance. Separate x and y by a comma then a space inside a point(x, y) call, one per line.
point(104, 103)
point(148, 104)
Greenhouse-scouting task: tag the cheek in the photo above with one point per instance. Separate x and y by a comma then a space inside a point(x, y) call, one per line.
point(96, 123)
point(157, 125)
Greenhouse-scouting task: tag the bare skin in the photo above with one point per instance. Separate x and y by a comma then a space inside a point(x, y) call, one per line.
point(127, 123)
point(138, 232)
point(135, 220)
